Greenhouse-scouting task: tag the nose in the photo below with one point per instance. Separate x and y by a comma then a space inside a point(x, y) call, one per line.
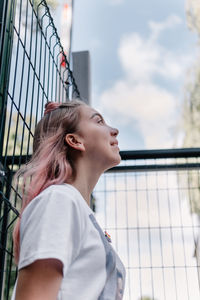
point(114, 132)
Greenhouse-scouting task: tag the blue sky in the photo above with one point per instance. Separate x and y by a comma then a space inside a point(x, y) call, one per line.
point(141, 52)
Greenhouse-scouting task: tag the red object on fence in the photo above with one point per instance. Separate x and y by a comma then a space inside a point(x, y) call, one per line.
point(63, 60)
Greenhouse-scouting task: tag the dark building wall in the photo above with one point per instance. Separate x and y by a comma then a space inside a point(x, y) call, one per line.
point(81, 72)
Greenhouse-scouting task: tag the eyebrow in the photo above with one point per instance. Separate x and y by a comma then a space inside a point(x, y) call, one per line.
point(96, 114)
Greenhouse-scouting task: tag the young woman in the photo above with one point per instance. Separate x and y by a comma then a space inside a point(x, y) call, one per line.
point(61, 251)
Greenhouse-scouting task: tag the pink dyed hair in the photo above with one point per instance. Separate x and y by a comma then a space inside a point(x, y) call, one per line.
point(52, 160)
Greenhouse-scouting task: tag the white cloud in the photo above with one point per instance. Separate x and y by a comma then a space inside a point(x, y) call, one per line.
point(158, 27)
point(143, 58)
point(138, 57)
point(137, 97)
point(150, 105)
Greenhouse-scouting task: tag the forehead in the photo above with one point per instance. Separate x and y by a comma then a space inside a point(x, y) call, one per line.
point(87, 112)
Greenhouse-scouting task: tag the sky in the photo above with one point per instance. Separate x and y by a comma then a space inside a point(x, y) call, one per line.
point(141, 53)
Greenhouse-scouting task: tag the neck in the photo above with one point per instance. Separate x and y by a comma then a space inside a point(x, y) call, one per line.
point(85, 180)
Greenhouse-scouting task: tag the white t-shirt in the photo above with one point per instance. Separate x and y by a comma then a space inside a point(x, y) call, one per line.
point(59, 224)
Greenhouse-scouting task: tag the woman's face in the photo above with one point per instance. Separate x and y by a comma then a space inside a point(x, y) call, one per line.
point(99, 139)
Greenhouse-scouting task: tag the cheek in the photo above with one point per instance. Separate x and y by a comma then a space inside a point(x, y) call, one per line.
point(101, 134)
point(96, 136)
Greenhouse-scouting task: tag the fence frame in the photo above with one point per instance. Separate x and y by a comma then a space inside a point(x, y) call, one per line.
point(7, 16)
point(6, 43)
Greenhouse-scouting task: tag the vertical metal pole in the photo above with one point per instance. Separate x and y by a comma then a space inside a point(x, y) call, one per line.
point(4, 232)
point(7, 14)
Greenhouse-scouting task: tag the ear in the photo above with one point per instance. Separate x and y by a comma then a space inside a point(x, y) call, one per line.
point(74, 141)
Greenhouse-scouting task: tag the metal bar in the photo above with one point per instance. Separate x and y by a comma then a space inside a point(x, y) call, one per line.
point(149, 235)
point(7, 20)
point(160, 237)
point(7, 209)
point(3, 237)
point(192, 220)
point(33, 84)
point(147, 167)
point(21, 87)
point(158, 167)
point(166, 267)
point(183, 240)
point(138, 236)
point(9, 273)
point(171, 237)
point(27, 92)
point(160, 153)
point(127, 235)
point(14, 84)
point(5, 60)
point(154, 227)
point(167, 153)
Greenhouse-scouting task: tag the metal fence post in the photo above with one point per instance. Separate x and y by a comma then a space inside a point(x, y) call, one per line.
point(7, 8)
point(6, 40)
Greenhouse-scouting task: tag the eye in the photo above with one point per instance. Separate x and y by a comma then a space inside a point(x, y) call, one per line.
point(100, 121)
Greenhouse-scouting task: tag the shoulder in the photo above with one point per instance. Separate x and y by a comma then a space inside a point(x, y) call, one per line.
point(55, 200)
point(57, 203)
point(65, 191)
point(57, 195)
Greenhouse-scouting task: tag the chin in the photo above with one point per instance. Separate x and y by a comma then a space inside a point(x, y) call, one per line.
point(119, 160)
point(112, 161)
point(116, 161)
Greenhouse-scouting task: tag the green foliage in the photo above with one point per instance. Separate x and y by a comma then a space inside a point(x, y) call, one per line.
point(193, 13)
point(191, 107)
point(51, 3)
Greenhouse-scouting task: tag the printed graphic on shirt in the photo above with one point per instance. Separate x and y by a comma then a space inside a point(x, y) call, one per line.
point(114, 287)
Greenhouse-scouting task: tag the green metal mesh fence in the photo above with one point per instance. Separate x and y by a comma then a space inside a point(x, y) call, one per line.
point(150, 206)
point(33, 70)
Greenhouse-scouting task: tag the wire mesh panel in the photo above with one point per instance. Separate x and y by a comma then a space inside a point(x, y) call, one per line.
point(33, 70)
point(153, 217)
point(151, 207)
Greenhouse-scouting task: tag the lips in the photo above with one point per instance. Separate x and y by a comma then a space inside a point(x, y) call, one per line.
point(115, 143)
